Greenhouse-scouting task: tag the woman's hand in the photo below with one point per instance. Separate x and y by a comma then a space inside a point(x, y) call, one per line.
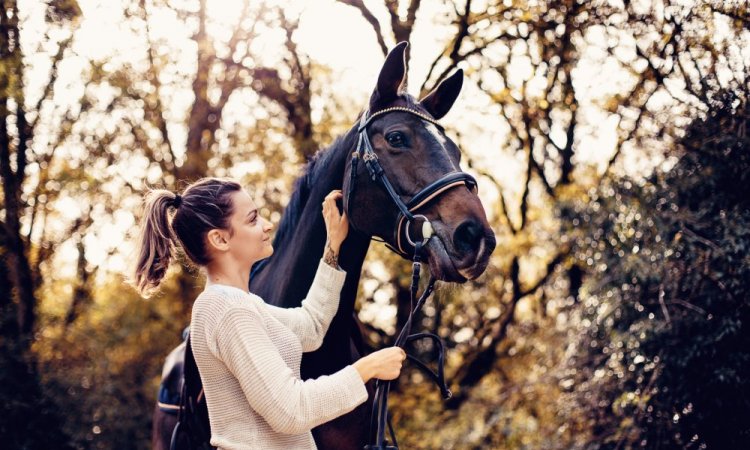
point(384, 364)
point(337, 227)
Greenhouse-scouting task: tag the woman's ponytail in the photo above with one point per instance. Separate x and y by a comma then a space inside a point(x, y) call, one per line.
point(155, 242)
point(203, 206)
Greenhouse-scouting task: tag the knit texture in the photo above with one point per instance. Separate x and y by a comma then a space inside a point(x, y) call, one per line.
point(249, 353)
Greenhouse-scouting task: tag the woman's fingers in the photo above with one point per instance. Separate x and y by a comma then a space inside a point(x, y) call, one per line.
point(337, 225)
point(329, 203)
point(334, 193)
point(330, 199)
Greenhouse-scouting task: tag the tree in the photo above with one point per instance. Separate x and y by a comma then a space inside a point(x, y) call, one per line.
point(27, 409)
point(664, 344)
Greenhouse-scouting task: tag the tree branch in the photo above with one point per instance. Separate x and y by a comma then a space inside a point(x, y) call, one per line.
point(503, 206)
point(157, 110)
point(371, 19)
point(482, 362)
point(52, 79)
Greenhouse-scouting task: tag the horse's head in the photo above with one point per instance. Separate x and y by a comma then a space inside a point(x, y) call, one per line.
point(415, 153)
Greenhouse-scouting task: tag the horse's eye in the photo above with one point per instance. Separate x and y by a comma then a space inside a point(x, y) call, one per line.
point(396, 139)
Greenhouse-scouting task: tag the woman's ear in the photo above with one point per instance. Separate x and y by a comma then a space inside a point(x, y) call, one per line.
point(218, 240)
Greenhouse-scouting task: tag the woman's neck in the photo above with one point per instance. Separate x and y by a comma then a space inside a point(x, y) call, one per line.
point(228, 274)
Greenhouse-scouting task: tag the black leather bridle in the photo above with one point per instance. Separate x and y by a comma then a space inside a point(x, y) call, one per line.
point(406, 215)
point(379, 418)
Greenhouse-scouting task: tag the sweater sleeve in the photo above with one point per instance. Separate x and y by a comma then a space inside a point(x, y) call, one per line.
point(288, 404)
point(311, 320)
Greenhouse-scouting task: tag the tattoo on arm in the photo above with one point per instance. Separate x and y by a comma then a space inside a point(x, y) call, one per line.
point(330, 257)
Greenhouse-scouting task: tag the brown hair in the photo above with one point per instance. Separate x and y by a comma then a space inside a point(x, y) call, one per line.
point(203, 206)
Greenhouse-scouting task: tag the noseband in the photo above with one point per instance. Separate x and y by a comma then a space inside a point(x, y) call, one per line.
point(380, 418)
point(406, 216)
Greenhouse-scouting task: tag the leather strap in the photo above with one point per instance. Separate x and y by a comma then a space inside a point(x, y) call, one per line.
point(366, 153)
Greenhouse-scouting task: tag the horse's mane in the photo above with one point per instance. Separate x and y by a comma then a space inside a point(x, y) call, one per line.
point(316, 169)
point(301, 194)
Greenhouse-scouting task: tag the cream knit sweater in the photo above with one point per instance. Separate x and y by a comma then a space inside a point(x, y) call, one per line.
point(248, 354)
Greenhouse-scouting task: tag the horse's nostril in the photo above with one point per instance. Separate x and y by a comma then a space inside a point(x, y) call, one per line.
point(467, 236)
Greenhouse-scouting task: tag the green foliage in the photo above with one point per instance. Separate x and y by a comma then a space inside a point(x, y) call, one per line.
point(665, 348)
point(104, 368)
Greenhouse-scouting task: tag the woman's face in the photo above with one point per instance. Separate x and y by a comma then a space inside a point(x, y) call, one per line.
point(250, 240)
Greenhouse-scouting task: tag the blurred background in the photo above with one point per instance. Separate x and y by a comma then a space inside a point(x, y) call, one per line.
point(610, 141)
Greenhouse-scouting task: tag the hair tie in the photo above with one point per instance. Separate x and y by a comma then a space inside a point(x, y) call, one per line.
point(177, 201)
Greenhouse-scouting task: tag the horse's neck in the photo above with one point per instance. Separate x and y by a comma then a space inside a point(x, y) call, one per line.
point(288, 274)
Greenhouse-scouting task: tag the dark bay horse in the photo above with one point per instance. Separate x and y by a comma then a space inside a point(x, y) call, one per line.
point(413, 153)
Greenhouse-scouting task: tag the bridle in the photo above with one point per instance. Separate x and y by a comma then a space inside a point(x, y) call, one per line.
point(379, 418)
point(406, 216)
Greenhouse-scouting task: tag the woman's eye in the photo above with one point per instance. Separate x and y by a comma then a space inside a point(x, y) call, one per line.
point(396, 139)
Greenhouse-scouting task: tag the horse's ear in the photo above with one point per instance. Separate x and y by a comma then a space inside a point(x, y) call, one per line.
point(439, 101)
point(392, 78)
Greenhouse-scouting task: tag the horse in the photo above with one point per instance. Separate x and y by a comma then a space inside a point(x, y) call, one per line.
point(413, 151)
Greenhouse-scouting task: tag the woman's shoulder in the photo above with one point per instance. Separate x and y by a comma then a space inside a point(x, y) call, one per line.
point(223, 291)
point(217, 300)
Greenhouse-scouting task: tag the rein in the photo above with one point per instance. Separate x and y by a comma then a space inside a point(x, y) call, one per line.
point(379, 418)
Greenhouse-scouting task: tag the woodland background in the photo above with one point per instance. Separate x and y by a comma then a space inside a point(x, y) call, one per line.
point(609, 137)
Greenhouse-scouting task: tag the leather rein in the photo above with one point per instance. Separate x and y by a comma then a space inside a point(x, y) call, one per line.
point(411, 249)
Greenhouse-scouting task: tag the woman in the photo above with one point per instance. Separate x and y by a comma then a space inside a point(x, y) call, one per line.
point(249, 352)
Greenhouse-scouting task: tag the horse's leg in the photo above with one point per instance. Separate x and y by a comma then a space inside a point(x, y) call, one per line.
point(161, 432)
